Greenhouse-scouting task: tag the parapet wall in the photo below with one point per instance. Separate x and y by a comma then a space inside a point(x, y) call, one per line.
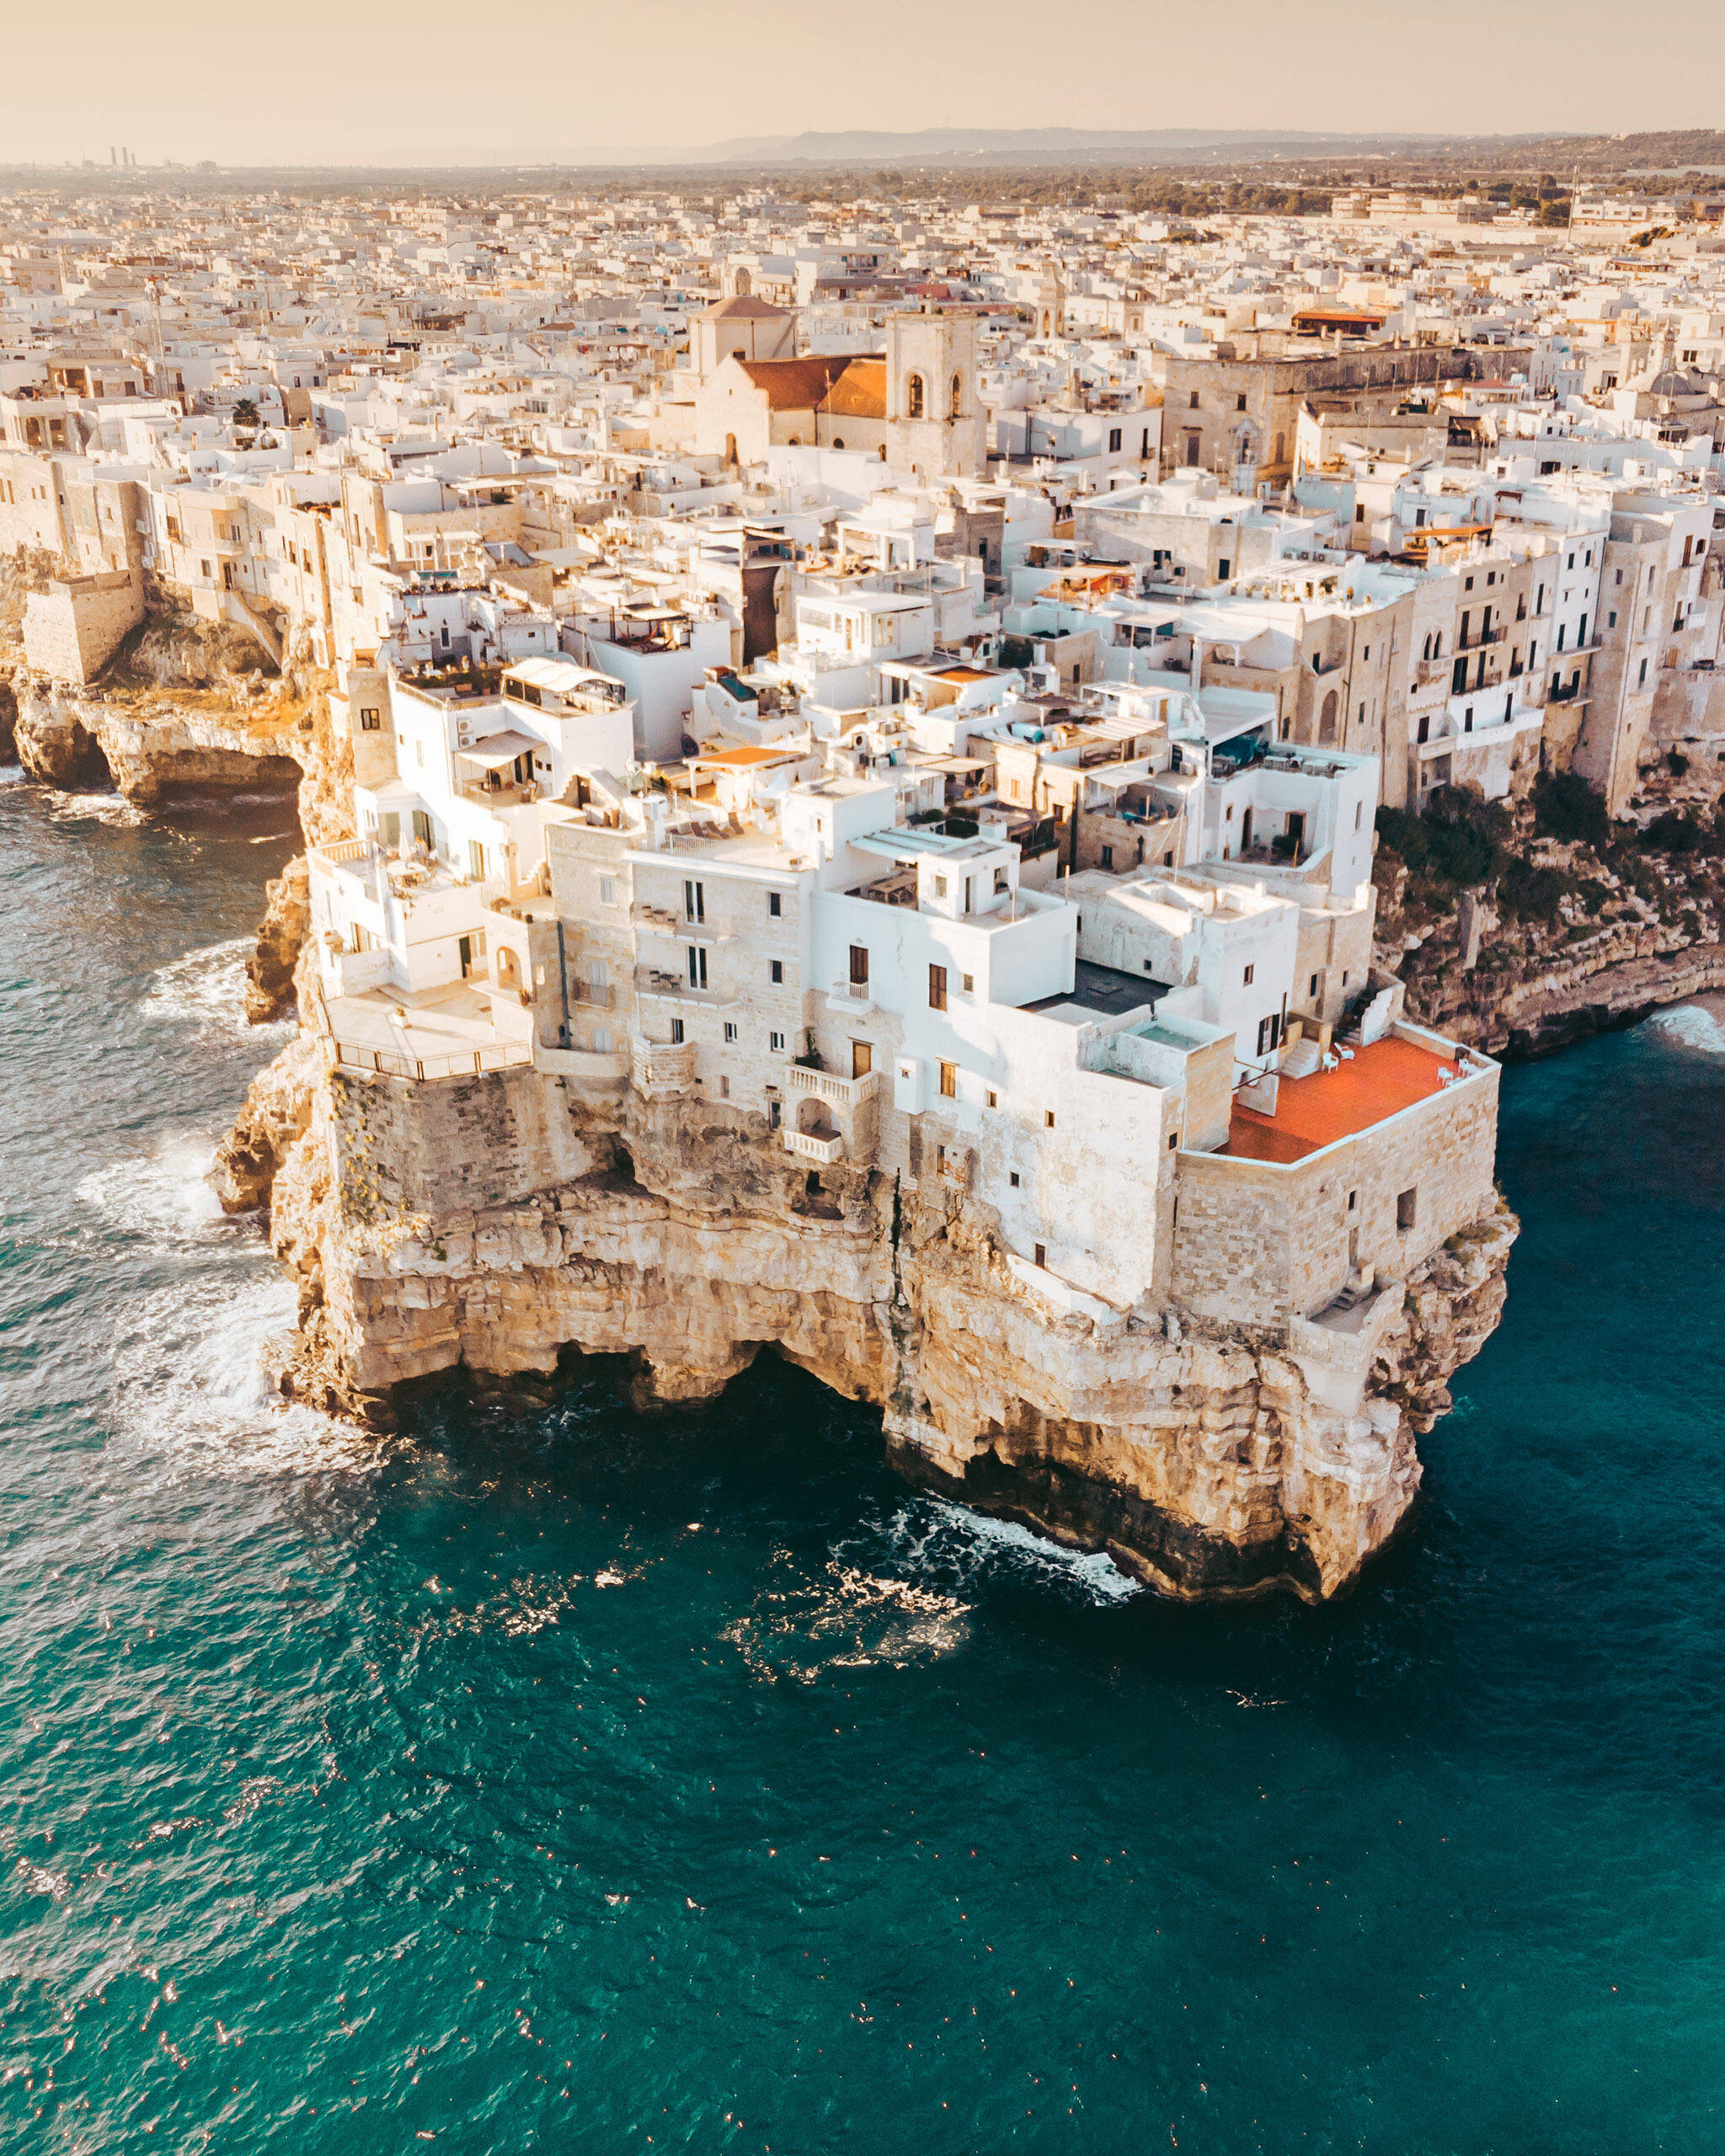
point(1259, 1242)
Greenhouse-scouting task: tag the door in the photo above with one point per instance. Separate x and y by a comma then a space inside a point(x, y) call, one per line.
point(1296, 833)
point(1246, 831)
point(466, 949)
point(422, 828)
point(861, 1058)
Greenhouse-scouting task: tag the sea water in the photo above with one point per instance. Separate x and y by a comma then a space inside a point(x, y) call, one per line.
point(542, 1777)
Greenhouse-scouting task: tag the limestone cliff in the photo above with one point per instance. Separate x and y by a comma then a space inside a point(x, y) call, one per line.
point(281, 936)
point(503, 1222)
point(1524, 927)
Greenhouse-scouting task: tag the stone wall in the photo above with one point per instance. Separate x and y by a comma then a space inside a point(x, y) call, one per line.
point(72, 629)
point(1258, 1242)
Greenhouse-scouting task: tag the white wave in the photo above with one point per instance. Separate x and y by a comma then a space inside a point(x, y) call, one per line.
point(191, 1383)
point(1692, 1025)
point(846, 1619)
point(164, 1193)
point(206, 989)
point(113, 810)
point(948, 1535)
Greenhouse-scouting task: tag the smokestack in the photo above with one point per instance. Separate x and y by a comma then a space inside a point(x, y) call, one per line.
point(113, 155)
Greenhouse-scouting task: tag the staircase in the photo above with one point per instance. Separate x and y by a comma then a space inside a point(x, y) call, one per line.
point(1302, 1059)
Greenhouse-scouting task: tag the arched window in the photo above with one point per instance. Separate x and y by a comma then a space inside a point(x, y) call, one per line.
point(913, 396)
point(958, 395)
point(744, 285)
point(1048, 322)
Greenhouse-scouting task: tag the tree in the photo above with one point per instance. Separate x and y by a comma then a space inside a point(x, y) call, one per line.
point(245, 413)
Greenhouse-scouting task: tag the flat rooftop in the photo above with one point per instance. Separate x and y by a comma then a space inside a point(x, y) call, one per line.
point(1312, 1112)
point(1106, 990)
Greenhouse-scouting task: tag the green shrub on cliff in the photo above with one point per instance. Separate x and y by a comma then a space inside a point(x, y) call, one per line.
point(1673, 832)
point(1533, 893)
point(1458, 842)
point(1566, 806)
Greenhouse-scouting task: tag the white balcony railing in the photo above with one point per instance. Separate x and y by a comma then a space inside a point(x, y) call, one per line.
point(828, 1085)
point(824, 1150)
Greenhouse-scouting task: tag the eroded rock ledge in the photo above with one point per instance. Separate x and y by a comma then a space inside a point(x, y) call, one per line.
point(501, 1222)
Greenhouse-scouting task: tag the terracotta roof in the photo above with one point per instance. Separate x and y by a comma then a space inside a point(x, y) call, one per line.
point(1310, 1113)
point(860, 392)
point(855, 388)
point(795, 385)
point(744, 304)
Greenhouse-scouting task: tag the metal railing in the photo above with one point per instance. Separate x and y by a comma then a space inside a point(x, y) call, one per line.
point(389, 1062)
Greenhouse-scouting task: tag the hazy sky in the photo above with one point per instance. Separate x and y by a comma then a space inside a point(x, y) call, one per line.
point(358, 82)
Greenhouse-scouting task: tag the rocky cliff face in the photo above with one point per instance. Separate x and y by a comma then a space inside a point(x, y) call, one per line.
point(503, 1223)
point(1567, 935)
point(281, 936)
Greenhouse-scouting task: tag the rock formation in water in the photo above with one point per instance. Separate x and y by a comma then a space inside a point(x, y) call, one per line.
point(503, 1222)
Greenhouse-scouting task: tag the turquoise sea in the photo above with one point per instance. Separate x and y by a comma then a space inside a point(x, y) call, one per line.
point(547, 1779)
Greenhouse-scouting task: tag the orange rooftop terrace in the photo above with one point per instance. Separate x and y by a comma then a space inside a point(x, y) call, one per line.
point(1312, 1112)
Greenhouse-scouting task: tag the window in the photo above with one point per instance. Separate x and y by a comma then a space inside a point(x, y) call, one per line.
point(1012, 1177)
point(1353, 1200)
point(775, 905)
point(698, 965)
point(1113, 441)
point(1246, 976)
point(913, 396)
point(859, 965)
point(601, 1040)
point(776, 967)
point(775, 1109)
point(607, 890)
point(940, 886)
point(1407, 1205)
point(694, 901)
point(949, 1081)
point(370, 719)
point(958, 401)
point(968, 983)
point(1173, 1141)
point(1239, 402)
point(676, 1033)
point(1642, 681)
point(476, 861)
point(724, 1089)
point(1047, 1118)
point(1311, 990)
point(1192, 406)
point(1041, 1257)
point(994, 1098)
point(730, 1030)
point(936, 987)
point(1269, 1033)
point(776, 1041)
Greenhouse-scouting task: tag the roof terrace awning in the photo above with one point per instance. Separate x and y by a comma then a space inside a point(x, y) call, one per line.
point(498, 749)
